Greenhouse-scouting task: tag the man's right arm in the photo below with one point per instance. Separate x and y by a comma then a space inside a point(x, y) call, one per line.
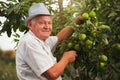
point(55, 71)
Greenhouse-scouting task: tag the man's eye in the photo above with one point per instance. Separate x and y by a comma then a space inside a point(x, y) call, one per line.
point(50, 23)
point(40, 22)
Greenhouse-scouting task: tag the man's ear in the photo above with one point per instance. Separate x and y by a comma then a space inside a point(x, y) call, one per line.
point(29, 24)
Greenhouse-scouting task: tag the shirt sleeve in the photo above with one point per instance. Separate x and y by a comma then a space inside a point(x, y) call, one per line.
point(36, 57)
point(52, 41)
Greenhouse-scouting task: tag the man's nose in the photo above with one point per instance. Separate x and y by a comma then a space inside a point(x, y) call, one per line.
point(46, 25)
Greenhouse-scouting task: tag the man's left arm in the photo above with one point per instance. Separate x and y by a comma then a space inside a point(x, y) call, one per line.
point(66, 32)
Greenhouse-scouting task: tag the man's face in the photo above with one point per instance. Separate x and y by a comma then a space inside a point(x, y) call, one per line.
point(41, 26)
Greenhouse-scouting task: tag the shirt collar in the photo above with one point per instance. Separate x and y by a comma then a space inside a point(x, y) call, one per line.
point(36, 37)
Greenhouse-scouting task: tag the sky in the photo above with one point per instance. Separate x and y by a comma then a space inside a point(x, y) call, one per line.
point(7, 43)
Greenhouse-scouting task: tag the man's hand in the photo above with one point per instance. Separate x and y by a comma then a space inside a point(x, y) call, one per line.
point(79, 20)
point(70, 56)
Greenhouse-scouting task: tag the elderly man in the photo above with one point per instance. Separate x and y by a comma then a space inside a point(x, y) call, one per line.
point(34, 58)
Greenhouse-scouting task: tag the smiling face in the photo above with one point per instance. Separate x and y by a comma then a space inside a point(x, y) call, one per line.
point(41, 26)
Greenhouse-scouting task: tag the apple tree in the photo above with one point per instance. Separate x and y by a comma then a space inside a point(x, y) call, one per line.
point(96, 40)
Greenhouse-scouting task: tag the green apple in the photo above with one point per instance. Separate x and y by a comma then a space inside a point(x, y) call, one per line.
point(88, 42)
point(77, 47)
point(103, 57)
point(92, 14)
point(34, 3)
point(70, 45)
point(82, 36)
point(118, 46)
point(85, 16)
point(102, 64)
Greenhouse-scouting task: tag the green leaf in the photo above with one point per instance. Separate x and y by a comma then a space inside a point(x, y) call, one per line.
point(9, 31)
point(16, 35)
point(16, 40)
point(104, 27)
point(12, 0)
point(112, 14)
point(105, 40)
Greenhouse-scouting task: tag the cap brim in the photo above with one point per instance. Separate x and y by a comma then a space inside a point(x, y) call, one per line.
point(31, 17)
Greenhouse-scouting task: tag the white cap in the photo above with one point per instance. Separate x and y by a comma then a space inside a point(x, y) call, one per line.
point(37, 9)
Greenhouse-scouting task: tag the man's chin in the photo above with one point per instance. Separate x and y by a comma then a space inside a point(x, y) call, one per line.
point(45, 37)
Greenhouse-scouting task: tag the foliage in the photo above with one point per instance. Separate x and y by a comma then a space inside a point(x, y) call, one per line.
point(15, 13)
point(7, 71)
point(102, 34)
point(7, 68)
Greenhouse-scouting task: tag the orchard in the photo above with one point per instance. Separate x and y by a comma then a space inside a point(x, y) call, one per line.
point(96, 37)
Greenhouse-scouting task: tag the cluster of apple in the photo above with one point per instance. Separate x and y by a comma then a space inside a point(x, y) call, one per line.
point(84, 38)
point(103, 59)
point(80, 39)
point(80, 42)
point(86, 16)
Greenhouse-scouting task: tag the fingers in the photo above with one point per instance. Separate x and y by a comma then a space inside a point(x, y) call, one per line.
point(70, 56)
point(74, 53)
point(79, 20)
